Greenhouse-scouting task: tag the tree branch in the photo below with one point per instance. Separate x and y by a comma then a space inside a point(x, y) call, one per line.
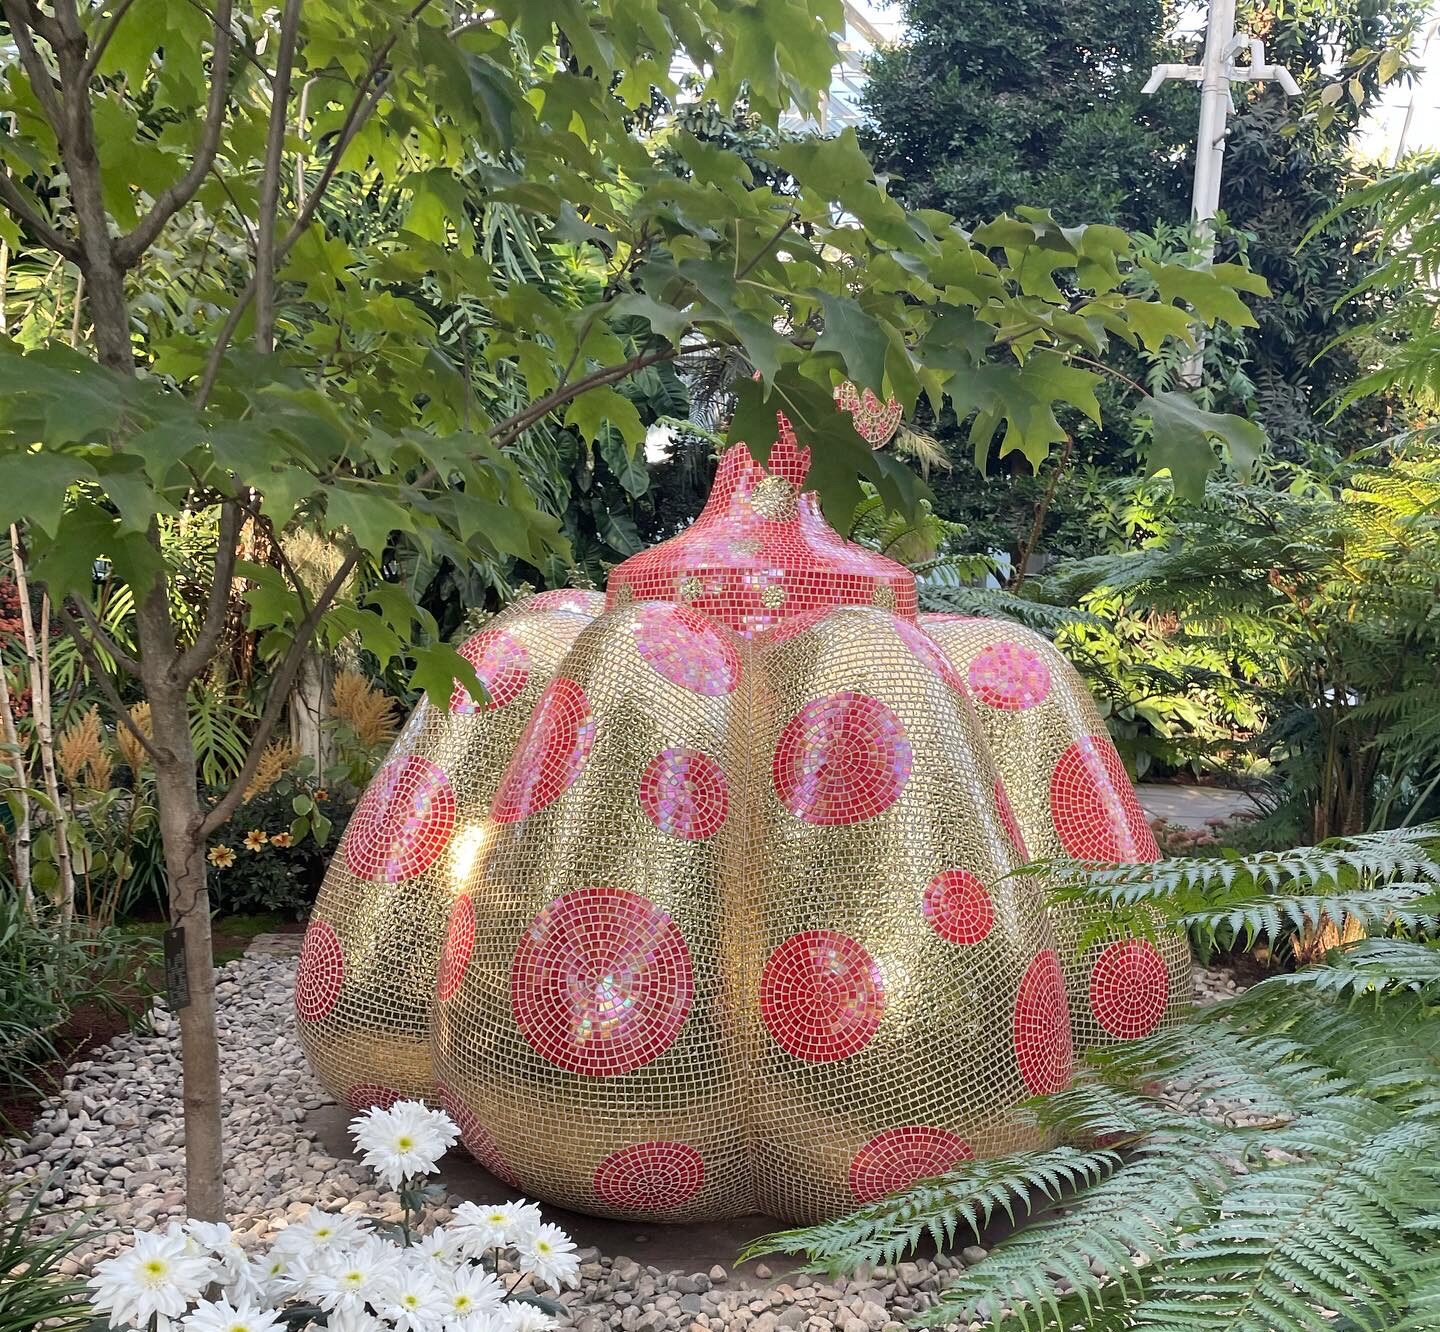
point(270, 181)
point(97, 51)
point(13, 199)
point(102, 678)
point(190, 662)
point(19, 16)
point(129, 248)
point(765, 249)
point(281, 683)
point(128, 663)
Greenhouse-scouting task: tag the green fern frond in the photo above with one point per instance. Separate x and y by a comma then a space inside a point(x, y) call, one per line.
point(1376, 964)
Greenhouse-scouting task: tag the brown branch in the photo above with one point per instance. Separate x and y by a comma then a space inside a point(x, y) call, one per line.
point(190, 662)
point(1037, 527)
point(280, 687)
point(129, 248)
point(270, 181)
point(128, 663)
point(13, 199)
point(765, 249)
point(22, 18)
point(360, 111)
point(97, 50)
point(102, 678)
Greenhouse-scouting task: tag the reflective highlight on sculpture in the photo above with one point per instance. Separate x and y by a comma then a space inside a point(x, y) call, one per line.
point(708, 909)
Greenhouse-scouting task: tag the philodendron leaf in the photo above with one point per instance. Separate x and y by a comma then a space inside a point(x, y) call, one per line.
point(1180, 441)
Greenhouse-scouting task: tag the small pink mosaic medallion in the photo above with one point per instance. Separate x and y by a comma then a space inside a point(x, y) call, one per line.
point(459, 944)
point(899, 1157)
point(1129, 989)
point(476, 1138)
point(685, 647)
point(1010, 677)
point(503, 665)
point(1096, 814)
point(958, 907)
point(683, 792)
point(840, 759)
point(402, 822)
point(551, 753)
point(1043, 1048)
point(650, 1176)
point(821, 996)
point(321, 972)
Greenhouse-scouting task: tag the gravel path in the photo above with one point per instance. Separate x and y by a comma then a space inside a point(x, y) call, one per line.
point(114, 1138)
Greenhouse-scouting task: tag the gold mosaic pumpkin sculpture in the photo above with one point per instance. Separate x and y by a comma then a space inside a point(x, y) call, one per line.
point(707, 909)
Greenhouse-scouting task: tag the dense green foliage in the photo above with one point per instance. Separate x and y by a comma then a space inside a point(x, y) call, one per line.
point(1307, 1201)
point(34, 1291)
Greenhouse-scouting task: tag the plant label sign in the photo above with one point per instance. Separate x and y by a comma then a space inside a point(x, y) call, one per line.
point(177, 983)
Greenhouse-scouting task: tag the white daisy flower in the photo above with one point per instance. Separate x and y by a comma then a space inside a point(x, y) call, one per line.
point(271, 1277)
point(518, 1316)
point(222, 1316)
point(220, 1241)
point(354, 1279)
point(406, 1140)
point(156, 1278)
point(413, 1300)
point(318, 1233)
point(472, 1295)
point(441, 1246)
point(353, 1320)
point(549, 1256)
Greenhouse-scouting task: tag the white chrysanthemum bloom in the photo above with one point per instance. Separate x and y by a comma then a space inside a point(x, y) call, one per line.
point(222, 1316)
point(354, 1279)
point(549, 1256)
point(220, 1241)
point(441, 1246)
point(518, 1316)
point(478, 1227)
point(353, 1320)
point(157, 1277)
point(406, 1140)
point(472, 1295)
point(413, 1300)
point(272, 1276)
point(319, 1233)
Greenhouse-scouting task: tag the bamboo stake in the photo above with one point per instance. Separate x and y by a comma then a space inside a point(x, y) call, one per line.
point(21, 857)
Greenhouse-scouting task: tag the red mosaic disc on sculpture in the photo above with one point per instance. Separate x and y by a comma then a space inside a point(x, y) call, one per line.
point(821, 996)
point(476, 1138)
point(1129, 989)
point(929, 651)
point(320, 974)
point(601, 982)
point(371, 1096)
point(503, 665)
point(958, 907)
point(1008, 676)
point(650, 1176)
point(550, 754)
point(684, 793)
point(685, 647)
point(402, 822)
point(841, 758)
point(1096, 814)
point(1042, 1027)
point(1008, 820)
point(899, 1157)
point(459, 943)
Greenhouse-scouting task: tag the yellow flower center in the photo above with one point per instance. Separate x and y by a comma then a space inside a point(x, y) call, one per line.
point(155, 1268)
point(404, 1144)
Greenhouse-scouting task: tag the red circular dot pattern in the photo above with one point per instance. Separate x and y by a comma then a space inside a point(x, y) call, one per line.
point(476, 1138)
point(684, 793)
point(958, 907)
point(1096, 814)
point(371, 1096)
point(1010, 677)
point(686, 648)
point(897, 1158)
point(841, 759)
point(1042, 1027)
point(402, 822)
point(930, 652)
point(1008, 820)
point(650, 1176)
point(459, 944)
point(550, 754)
point(821, 996)
point(1129, 989)
point(503, 665)
point(321, 972)
point(601, 983)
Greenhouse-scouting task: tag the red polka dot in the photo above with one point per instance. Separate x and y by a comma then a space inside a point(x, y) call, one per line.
point(503, 665)
point(1129, 989)
point(459, 943)
point(686, 648)
point(930, 652)
point(958, 907)
point(841, 758)
point(601, 983)
point(476, 1138)
point(899, 1157)
point(650, 1176)
point(564, 599)
point(683, 792)
point(1042, 1027)
point(1010, 677)
point(320, 974)
point(402, 822)
point(1096, 814)
point(549, 755)
point(821, 996)
point(1008, 820)
point(371, 1096)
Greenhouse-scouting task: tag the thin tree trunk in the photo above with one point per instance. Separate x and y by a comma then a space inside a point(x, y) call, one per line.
point(40, 705)
point(22, 798)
